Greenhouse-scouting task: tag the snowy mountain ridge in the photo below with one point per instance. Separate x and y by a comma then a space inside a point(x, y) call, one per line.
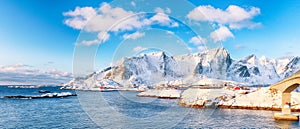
point(215, 63)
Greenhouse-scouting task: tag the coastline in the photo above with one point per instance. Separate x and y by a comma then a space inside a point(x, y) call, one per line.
point(194, 97)
point(162, 94)
point(160, 97)
point(225, 99)
point(237, 107)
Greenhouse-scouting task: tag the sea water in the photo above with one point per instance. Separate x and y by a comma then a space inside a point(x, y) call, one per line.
point(121, 110)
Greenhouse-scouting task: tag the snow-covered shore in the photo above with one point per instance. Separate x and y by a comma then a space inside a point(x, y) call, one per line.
point(47, 95)
point(197, 98)
point(262, 99)
point(164, 93)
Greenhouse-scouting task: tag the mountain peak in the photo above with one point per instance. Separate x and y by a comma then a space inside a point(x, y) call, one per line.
point(220, 51)
point(263, 60)
point(159, 53)
point(252, 59)
point(153, 67)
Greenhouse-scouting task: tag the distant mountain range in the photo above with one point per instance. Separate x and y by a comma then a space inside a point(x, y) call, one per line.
point(214, 63)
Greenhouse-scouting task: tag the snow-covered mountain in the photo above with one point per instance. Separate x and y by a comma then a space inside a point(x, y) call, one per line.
point(151, 66)
point(254, 70)
point(215, 63)
point(292, 67)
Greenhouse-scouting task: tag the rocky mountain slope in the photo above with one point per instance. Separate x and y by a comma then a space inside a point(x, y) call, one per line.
point(215, 63)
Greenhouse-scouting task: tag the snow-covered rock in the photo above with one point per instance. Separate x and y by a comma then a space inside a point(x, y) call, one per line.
point(203, 97)
point(165, 93)
point(214, 82)
point(214, 63)
point(292, 67)
point(261, 98)
point(147, 70)
point(62, 94)
point(254, 71)
point(264, 97)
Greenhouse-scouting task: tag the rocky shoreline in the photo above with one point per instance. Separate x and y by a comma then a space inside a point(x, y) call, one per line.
point(162, 94)
point(160, 97)
point(259, 99)
point(238, 107)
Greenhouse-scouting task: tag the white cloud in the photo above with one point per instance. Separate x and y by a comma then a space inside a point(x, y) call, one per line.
point(170, 32)
point(133, 3)
point(79, 17)
point(21, 68)
point(25, 74)
point(103, 36)
point(135, 35)
point(130, 23)
point(89, 42)
point(234, 16)
point(58, 73)
point(106, 19)
point(163, 19)
point(201, 48)
point(160, 10)
point(102, 18)
point(248, 24)
point(138, 48)
point(175, 24)
point(168, 10)
point(107, 16)
point(221, 34)
point(197, 40)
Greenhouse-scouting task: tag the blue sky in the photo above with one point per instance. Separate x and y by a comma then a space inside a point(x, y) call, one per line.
point(37, 33)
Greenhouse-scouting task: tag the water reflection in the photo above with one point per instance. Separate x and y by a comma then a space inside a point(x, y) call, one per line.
point(287, 124)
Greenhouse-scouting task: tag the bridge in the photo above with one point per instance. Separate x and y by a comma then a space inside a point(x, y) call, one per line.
point(286, 86)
